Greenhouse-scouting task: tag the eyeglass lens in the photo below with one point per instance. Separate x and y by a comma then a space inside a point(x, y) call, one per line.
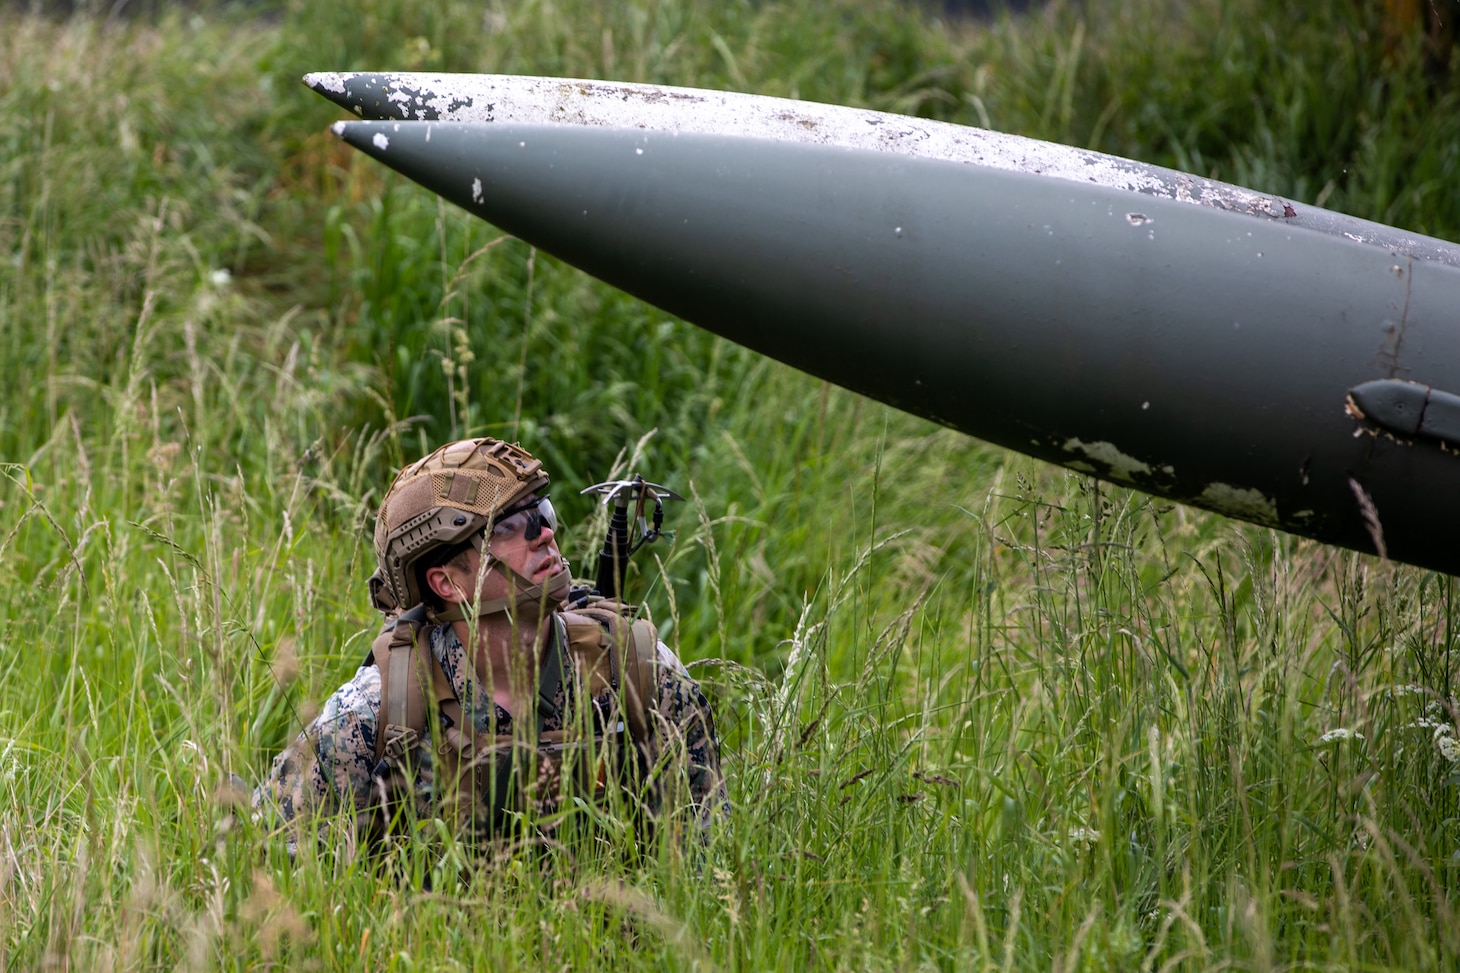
point(529, 521)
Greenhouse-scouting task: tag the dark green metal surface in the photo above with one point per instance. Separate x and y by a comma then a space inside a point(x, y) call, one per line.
point(1192, 353)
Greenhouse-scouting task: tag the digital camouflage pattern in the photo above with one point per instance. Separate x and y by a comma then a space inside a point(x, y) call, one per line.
point(332, 764)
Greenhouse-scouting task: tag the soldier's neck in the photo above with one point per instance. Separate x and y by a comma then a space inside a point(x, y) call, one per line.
point(508, 656)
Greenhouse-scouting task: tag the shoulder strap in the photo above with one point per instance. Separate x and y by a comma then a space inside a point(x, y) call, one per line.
point(409, 670)
point(641, 669)
point(549, 682)
point(406, 662)
point(608, 631)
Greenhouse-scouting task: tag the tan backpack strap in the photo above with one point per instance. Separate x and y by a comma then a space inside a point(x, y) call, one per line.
point(632, 644)
point(402, 717)
point(588, 648)
point(641, 678)
point(445, 694)
point(398, 706)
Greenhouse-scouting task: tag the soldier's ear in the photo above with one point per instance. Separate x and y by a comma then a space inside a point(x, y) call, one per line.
point(439, 580)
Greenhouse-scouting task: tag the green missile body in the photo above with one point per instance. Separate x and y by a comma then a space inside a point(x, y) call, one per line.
point(1278, 373)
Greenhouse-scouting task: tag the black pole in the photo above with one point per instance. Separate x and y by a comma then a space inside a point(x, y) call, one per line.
point(614, 557)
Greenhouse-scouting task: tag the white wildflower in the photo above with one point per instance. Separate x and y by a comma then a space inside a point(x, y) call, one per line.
point(1408, 689)
point(1084, 836)
point(221, 277)
point(1341, 733)
point(1449, 747)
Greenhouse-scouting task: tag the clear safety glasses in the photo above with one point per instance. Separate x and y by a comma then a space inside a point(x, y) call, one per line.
point(526, 520)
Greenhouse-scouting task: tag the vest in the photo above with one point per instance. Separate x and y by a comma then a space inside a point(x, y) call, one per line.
point(600, 645)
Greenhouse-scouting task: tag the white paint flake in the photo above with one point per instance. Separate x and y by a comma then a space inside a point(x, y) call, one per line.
point(380, 142)
point(476, 190)
point(1120, 466)
point(1239, 502)
point(326, 81)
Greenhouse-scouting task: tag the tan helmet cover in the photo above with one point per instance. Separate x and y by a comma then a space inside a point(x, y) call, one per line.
point(441, 500)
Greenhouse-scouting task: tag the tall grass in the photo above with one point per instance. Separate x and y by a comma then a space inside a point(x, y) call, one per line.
point(978, 713)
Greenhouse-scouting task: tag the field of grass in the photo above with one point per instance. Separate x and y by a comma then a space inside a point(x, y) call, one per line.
point(978, 713)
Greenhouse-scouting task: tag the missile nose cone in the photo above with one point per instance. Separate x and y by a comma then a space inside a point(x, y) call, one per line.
point(331, 84)
point(376, 139)
point(324, 81)
point(365, 94)
point(368, 137)
point(456, 165)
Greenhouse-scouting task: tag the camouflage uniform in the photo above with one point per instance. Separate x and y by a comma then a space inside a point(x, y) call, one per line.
point(334, 760)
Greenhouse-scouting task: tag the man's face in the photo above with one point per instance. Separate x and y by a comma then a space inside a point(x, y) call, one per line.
point(535, 558)
point(526, 541)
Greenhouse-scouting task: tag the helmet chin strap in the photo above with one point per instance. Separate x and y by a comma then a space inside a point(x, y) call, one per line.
point(551, 591)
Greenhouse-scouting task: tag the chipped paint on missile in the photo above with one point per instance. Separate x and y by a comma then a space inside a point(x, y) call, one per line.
point(1120, 466)
point(537, 101)
point(380, 142)
point(476, 190)
point(329, 81)
point(1239, 502)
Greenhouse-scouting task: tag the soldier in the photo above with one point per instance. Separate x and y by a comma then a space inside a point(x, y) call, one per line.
point(485, 702)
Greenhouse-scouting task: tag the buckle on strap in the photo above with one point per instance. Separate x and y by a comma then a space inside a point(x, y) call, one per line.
point(399, 742)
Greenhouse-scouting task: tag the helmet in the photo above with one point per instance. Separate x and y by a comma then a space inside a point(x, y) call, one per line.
point(440, 502)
